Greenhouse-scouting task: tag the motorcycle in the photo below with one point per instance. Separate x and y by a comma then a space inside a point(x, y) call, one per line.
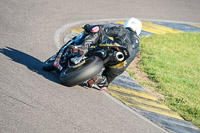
point(75, 68)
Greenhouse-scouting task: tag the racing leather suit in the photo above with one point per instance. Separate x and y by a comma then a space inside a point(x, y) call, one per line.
point(99, 34)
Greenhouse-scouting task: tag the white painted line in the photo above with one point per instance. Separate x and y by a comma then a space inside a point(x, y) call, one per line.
point(58, 40)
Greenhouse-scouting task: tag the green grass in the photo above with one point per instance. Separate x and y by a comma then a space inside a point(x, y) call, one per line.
point(173, 62)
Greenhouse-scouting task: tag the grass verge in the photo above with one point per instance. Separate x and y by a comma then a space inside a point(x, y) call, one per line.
point(172, 62)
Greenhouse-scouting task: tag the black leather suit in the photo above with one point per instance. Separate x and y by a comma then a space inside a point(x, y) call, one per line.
point(98, 34)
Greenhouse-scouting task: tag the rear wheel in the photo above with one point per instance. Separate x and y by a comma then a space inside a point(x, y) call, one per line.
point(48, 64)
point(74, 76)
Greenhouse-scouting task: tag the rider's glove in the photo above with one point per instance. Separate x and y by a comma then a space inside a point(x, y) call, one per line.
point(87, 28)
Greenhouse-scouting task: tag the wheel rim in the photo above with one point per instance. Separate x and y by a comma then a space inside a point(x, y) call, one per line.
point(86, 62)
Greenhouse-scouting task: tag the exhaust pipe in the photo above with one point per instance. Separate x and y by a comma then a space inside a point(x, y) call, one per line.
point(120, 56)
point(116, 56)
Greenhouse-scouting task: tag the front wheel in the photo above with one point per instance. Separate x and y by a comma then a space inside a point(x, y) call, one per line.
point(48, 64)
point(74, 76)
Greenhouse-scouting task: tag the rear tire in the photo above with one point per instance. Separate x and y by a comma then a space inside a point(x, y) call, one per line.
point(74, 76)
point(48, 64)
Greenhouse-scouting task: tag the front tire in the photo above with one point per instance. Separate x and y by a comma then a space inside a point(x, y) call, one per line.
point(48, 64)
point(74, 76)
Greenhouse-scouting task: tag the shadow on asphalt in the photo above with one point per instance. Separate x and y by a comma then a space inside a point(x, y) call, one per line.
point(30, 62)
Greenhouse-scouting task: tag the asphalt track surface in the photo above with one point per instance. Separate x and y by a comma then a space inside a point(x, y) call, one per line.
point(32, 100)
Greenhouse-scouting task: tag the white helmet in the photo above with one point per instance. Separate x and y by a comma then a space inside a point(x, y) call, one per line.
point(135, 24)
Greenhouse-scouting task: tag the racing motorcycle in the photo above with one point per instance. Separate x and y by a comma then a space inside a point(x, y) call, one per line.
point(75, 68)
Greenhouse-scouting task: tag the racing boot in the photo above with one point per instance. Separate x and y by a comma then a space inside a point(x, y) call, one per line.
point(100, 81)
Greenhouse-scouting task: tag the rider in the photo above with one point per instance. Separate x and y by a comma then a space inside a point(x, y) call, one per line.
point(127, 35)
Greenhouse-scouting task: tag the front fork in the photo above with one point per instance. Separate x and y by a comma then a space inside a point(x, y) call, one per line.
point(56, 63)
point(59, 55)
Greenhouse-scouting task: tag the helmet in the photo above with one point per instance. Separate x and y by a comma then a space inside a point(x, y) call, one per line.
point(135, 24)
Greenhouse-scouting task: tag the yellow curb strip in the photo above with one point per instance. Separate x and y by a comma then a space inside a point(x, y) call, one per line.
point(77, 30)
point(128, 101)
point(196, 25)
point(141, 100)
point(154, 28)
point(157, 29)
point(120, 22)
point(132, 92)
